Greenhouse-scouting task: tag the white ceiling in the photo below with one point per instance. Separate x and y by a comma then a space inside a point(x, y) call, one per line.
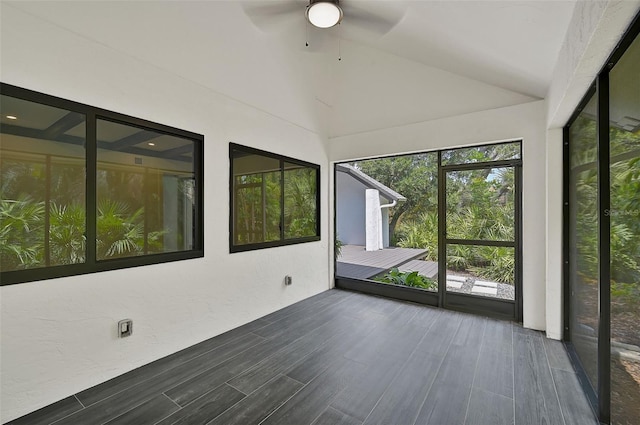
point(443, 58)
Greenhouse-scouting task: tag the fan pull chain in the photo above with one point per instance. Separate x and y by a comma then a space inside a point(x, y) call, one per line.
point(339, 42)
point(306, 28)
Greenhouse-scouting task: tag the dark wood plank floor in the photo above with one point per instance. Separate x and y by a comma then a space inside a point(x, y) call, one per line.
point(345, 358)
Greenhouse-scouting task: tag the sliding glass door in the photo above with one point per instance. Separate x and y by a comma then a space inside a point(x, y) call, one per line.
point(602, 236)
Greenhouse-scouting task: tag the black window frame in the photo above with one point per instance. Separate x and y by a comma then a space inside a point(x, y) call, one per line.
point(91, 264)
point(233, 248)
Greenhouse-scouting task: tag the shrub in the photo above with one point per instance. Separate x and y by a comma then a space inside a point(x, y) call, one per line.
point(412, 279)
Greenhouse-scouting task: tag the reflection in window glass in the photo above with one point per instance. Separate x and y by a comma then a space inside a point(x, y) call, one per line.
point(299, 201)
point(274, 199)
point(583, 229)
point(145, 192)
point(624, 133)
point(485, 153)
point(257, 199)
point(42, 186)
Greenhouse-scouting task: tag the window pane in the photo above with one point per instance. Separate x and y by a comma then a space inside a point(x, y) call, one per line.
point(625, 236)
point(145, 192)
point(409, 229)
point(499, 152)
point(583, 236)
point(481, 204)
point(256, 189)
point(42, 186)
point(487, 271)
point(299, 201)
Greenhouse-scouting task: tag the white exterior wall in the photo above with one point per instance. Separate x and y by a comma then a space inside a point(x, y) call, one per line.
point(524, 122)
point(385, 227)
point(59, 335)
point(350, 210)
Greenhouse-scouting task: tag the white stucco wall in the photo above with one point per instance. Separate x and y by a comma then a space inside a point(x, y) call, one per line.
point(58, 336)
point(524, 122)
point(553, 279)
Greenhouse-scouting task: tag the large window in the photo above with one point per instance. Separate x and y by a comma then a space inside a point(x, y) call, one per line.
point(275, 200)
point(85, 190)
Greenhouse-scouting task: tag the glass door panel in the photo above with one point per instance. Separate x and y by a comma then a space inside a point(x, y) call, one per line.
point(480, 204)
point(480, 233)
point(624, 133)
point(583, 232)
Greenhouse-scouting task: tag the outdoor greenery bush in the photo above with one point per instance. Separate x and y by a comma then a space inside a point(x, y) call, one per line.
point(337, 250)
point(479, 208)
point(412, 279)
point(121, 233)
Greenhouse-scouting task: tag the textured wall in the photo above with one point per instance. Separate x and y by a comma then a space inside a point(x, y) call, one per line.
point(59, 336)
point(595, 29)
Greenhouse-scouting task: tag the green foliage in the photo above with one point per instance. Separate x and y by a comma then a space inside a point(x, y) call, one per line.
point(67, 234)
point(300, 203)
point(624, 212)
point(481, 154)
point(412, 279)
point(120, 233)
point(627, 293)
point(495, 263)
point(479, 206)
point(257, 203)
point(413, 176)
point(421, 232)
point(21, 233)
point(337, 250)
point(257, 207)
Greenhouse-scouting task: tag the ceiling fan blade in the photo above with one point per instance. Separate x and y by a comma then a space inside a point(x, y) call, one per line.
point(271, 15)
point(317, 41)
point(377, 17)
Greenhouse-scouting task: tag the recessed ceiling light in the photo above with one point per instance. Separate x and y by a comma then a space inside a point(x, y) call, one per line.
point(151, 144)
point(12, 117)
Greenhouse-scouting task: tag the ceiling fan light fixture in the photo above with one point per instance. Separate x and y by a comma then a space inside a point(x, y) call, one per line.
point(324, 14)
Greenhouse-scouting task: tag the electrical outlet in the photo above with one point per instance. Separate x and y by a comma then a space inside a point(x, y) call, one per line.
point(288, 280)
point(125, 328)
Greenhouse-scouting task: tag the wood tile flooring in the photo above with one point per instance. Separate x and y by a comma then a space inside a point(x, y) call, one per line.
point(345, 358)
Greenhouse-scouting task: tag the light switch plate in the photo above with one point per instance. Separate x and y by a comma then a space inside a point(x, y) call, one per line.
point(125, 328)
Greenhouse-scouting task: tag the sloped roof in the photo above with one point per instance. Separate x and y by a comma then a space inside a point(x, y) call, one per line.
point(370, 182)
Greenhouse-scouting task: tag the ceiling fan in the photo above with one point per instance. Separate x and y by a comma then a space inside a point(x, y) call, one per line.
point(377, 17)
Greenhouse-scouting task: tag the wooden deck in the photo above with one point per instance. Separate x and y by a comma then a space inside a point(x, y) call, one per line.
point(425, 268)
point(357, 263)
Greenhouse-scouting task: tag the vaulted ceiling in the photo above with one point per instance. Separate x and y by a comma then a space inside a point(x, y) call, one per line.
point(442, 58)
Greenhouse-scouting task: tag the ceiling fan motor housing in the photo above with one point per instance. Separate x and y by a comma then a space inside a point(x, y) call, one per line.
point(324, 13)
